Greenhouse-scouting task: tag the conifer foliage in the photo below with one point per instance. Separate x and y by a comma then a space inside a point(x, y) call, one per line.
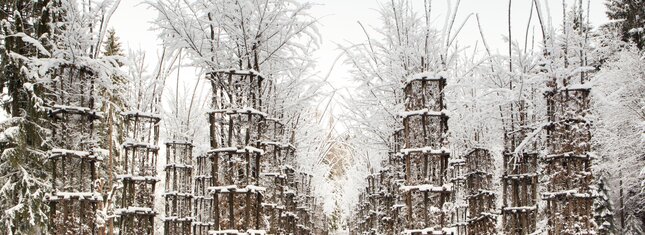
point(23, 175)
point(629, 16)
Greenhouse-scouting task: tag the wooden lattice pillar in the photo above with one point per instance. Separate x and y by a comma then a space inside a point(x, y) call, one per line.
point(203, 200)
point(288, 216)
point(458, 180)
point(373, 201)
point(386, 200)
point(236, 209)
point(75, 196)
point(383, 199)
point(236, 197)
point(74, 200)
point(272, 176)
point(304, 202)
point(519, 189)
point(385, 222)
point(480, 195)
point(178, 188)
point(281, 197)
point(137, 172)
point(397, 179)
point(568, 163)
point(425, 125)
point(520, 173)
point(236, 129)
point(273, 204)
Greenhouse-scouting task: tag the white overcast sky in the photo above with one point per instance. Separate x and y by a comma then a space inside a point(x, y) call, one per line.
point(338, 25)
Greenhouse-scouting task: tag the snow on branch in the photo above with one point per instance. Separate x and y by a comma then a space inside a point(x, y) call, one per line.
point(26, 38)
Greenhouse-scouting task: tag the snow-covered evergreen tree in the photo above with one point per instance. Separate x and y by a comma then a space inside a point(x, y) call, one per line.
point(633, 226)
point(629, 16)
point(24, 38)
point(604, 209)
point(112, 46)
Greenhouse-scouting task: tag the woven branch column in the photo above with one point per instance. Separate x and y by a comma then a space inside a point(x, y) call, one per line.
point(426, 189)
point(568, 163)
point(137, 172)
point(228, 192)
point(480, 195)
point(520, 174)
point(76, 194)
point(178, 193)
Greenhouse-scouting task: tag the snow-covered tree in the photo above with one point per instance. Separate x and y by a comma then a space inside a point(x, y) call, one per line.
point(112, 46)
point(618, 129)
point(629, 16)
point(633, 225)
point(36, 45)
point(238, 34)
point(604, 209)
point(24, 27)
